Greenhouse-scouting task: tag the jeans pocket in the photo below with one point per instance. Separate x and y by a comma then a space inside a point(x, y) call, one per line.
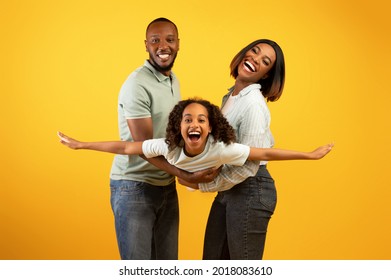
point(267, 193)
point(125, 187)
point(131, 189)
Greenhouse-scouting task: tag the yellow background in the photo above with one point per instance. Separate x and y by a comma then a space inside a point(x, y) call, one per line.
point(62, 65)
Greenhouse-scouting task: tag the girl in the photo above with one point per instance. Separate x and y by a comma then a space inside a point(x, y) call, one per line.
point(197, 137)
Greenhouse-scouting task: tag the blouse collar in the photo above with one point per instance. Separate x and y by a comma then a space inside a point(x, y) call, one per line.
point(246, 90)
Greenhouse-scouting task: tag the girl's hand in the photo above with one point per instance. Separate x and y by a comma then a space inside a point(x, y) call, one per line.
point(69, 142)
point(321, 151)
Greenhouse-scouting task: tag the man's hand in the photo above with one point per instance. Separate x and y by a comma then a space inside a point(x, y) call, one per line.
point(187, 184)
point(202, 176)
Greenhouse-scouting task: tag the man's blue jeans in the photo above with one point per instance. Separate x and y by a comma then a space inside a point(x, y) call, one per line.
point(146, 220)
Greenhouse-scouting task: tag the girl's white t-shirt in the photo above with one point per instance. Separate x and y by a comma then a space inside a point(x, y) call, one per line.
point(214, 154)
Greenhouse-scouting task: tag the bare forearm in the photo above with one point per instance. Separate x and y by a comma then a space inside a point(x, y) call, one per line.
point(280, 154)
point(161, 163)
point(206, 175)
point(109, 147)
point(275, 154)
point(115, 147)
point(230, 176)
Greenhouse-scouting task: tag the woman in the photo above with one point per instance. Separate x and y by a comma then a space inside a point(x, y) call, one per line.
point(247, 197)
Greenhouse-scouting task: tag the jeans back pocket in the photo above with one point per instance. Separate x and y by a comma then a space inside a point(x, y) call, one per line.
point(267, 192)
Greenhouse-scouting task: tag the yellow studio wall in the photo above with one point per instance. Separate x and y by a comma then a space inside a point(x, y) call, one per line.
point(63, 62)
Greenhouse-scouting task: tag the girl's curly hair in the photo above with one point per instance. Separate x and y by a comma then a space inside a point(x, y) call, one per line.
point(221, 129)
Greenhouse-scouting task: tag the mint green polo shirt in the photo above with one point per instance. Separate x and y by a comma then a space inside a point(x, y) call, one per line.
point(145, 93)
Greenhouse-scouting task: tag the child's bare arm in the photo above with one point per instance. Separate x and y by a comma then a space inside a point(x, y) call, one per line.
point(280, 154)
point(115, 147)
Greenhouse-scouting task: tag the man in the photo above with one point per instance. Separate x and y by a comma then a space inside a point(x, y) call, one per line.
point(144, 198)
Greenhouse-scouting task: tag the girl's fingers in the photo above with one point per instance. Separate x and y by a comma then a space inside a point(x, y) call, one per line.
point(61, 135)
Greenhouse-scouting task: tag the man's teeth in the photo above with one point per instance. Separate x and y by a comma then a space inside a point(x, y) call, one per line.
point(164, 56)
point(249, 66)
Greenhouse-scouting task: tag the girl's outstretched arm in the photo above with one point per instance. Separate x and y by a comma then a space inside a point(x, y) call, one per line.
point(279, 154)
point(115, 147)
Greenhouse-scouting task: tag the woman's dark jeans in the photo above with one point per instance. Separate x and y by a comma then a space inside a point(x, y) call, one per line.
point(239, 218)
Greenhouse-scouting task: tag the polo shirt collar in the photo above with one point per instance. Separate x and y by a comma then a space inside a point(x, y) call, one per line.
point(157, 74)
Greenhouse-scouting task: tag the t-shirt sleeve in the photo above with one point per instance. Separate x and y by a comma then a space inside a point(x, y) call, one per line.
point(155, 147)
point(235, 154)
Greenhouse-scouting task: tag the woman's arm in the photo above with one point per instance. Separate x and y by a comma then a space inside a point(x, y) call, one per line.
point(115, 147)
point(280, 154)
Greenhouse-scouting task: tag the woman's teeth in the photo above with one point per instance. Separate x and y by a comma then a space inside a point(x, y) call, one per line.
point(249, 66)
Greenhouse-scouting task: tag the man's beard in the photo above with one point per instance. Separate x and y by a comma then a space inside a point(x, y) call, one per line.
point(162, 69)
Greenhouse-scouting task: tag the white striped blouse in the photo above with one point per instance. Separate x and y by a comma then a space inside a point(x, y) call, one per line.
point(249, 115)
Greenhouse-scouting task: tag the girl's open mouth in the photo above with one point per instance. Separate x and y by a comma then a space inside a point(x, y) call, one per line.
point(194, 136)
